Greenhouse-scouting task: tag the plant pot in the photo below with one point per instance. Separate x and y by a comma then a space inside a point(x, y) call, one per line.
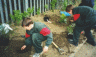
point(70, 35)
point(4, 40)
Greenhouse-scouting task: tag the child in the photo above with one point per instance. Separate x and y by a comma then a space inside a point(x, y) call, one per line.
point(85, 19)
point(36, 32)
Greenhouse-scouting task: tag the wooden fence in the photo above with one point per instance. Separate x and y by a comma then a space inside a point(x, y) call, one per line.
point(7, 7)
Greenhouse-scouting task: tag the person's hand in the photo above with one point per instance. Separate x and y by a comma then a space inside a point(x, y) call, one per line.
point(71, 20)
point(45, 49)
point(23, 47)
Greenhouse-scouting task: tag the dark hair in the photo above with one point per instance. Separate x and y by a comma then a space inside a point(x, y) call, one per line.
point(26, 21)
point(69, 7)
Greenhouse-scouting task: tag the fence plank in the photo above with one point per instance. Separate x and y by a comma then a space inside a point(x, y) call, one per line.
point(50, 4)
point(31, 5)
point(2, 16)
point(15, 6)
point(10, 5)
point(26, 5)
point(19, 5)
point(37, 4)
point(34, 8)
point(6, 11)
point(23, 5)
point(40, 6)
point(44, 5)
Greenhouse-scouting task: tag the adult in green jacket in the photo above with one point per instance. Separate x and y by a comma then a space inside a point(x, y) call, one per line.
point(85, 19)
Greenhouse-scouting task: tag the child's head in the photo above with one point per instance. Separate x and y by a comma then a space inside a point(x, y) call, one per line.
point(69, 9)
point(27, 23)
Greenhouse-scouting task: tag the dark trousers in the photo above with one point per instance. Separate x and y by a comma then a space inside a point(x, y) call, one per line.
point(88, 34)
point(35, 41)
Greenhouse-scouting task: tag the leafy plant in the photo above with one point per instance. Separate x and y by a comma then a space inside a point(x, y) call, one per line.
point(64, 4)
point(53, 4)
point(29, 10)
point(17, 17)
point(63, 18)
point(70, 29)
point(46, 6)
point(38, 11)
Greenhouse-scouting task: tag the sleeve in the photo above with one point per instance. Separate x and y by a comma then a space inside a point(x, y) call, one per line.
point(28, 41)
point(49, 39)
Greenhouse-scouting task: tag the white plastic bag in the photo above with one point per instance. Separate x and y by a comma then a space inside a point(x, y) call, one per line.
point(6, 28)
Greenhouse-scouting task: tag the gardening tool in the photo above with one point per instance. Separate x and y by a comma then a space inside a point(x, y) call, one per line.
point(61, 51)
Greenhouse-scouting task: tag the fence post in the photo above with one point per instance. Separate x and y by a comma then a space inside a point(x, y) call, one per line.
point(50, 4)
point(37, 4)
point(23, 5)
point(10, 5)
point(40, 6)
point(34, 8)
point(2, 16)
point(44, 5)
point(26, 5)
point(31, 5)
point(6, 12)
point(15, 6)
point(19, 5)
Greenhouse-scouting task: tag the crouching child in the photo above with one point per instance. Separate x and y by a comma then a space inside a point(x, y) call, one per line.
point(36, 33)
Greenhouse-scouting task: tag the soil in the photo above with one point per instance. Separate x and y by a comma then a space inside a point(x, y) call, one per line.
point(59, 37)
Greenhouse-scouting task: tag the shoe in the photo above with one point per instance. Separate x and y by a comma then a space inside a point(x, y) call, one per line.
point(71, 42)
point(23, 36)
point(36, 55)
point(94, 44)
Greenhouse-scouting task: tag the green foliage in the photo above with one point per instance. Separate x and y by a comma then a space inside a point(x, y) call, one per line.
point(63, 18)
point(17, 17)
point(25, 14)
point(53, 4)
point(38, 11)
point(46, 6)
point(29, 10)
point(70, 29)
point(70, 2)
point(64, 4)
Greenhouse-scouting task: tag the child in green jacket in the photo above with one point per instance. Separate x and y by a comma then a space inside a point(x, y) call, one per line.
point(85, 19)
point(36, 32)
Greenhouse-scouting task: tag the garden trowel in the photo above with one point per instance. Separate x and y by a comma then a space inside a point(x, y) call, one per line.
point(61, 51)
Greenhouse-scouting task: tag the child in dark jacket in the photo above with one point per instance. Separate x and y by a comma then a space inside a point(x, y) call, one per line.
point(85, 19)
point(36, 33)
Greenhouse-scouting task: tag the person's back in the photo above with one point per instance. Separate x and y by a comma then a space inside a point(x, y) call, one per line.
point(89, 3)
